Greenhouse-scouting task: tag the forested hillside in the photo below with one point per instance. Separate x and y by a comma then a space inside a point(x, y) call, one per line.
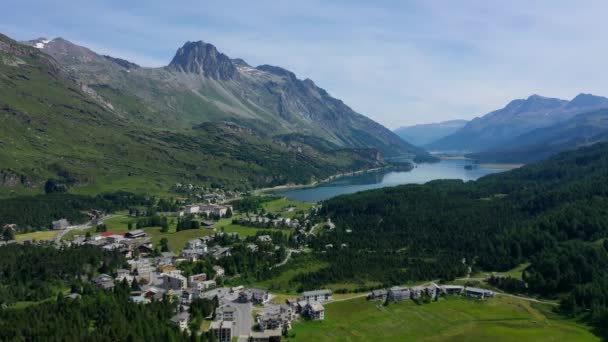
point(53, 127)
point(553, 214)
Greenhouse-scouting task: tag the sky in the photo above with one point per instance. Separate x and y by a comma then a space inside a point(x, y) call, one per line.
point(398, 62)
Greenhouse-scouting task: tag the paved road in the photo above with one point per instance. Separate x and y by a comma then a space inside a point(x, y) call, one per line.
point(244, 321)
point(529, 299)
point(349, 298)
point(289, 251)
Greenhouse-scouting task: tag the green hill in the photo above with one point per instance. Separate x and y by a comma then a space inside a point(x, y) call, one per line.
point(54, 127)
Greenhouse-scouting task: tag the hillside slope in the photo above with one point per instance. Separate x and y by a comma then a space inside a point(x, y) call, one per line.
point(550, 215)
point(583, 129)
point(201, 84)
point(54, 127)
point(498, 128)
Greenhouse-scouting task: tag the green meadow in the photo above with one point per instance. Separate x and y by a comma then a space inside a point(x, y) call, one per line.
point(452, 319)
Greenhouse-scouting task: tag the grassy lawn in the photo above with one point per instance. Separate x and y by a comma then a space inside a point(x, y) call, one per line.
point(284, 283)
point(119, 224)
point(245, 231)
point(70, 235)
point(276, 207)
point(513, 273)
point(453, 319)
point(177, 240)
point(38, 236)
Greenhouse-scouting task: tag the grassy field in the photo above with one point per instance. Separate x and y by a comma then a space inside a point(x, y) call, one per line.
point(453, 319)
point(38, 236)
point(513, 273)
point(177, 240)
point(276, 207)
point(284, 282)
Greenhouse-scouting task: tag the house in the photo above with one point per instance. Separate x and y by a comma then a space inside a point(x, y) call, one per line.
point(256, 296)
point(378, 295)
point(197, 278)
point(219, 271)
point(220, 252)
point(416, 292)
point(104, 282)
point(477, 293)
point(432, 290)
point(451, 289)
point(252, 247)
point(275, 317)
point(195, 243)
point(226, 313)
point(264, 238)
point(135, 234)
point(181, 320)
point(317, 296)
point(174, 280)
point(314, 311)
point(266, 336)
point(192, 209)
point(153, 293)
point(187, 296)
point(78, 239)
point(60, 224)
point(222, 330)
point(193, 254)
point(207, 284)
point(398, 293)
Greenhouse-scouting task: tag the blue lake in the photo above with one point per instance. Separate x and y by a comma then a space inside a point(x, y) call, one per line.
point(446, 169)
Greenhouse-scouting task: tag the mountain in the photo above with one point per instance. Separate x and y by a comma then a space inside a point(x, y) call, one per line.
point(56, 127)
point(498, 128)
point(201, 84)
point(424, 134)
point(583, 129)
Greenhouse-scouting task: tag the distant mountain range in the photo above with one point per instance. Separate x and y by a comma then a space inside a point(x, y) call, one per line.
point(496, 130)
point(103, 123)
point(541, 143)
point(530, 129)
point(423, 134)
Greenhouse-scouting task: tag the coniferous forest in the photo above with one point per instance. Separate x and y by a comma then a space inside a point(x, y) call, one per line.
point(553, 214)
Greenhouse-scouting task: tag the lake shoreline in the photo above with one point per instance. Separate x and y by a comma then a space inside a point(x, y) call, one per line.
point(421, 174)
point(319, 182)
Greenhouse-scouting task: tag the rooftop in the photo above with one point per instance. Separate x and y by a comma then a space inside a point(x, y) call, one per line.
point(317, 292)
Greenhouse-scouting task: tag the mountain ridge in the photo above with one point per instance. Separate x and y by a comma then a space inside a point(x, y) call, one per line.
point(423, 134)
point(201, 84)
point(519, 116)
point(53, 129)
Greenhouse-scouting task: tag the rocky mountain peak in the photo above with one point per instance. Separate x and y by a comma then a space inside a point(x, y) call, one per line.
point(588, 100)
point(277, 71)
point(204, 59)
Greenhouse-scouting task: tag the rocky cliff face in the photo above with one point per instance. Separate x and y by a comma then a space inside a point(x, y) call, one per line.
point(202, 85)
point(202, 58)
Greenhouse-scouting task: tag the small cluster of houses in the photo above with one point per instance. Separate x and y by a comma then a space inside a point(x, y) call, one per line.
point(206, 210)
point(197, 249)
point(311, 304)
point(208, 195)
point(257, 220)
point(400, 293)
point(135, 242)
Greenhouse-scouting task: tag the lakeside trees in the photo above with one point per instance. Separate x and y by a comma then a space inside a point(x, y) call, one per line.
point(552, 214)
